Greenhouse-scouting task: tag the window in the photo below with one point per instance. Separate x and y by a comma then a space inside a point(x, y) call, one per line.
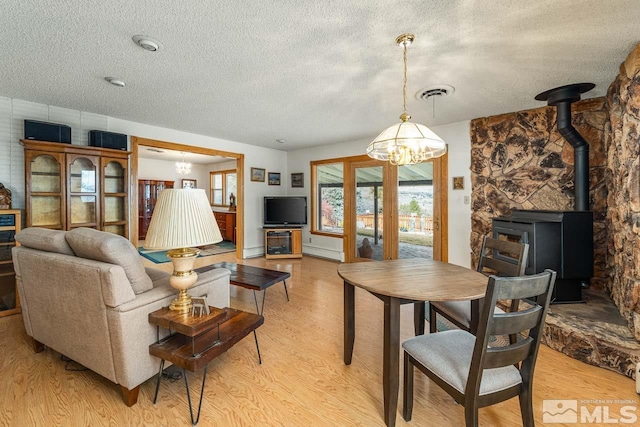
point(223, 185)
point(328, 197)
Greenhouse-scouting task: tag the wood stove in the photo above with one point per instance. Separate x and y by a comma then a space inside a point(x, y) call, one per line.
point(559, 240)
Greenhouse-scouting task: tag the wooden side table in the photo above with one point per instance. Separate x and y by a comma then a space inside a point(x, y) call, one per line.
point(194, 341)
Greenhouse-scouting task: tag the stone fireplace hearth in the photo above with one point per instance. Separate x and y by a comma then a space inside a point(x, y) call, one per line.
point(594, 333)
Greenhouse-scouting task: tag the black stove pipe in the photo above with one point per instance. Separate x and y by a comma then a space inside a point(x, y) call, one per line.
point(562, 97)
point(580, 155)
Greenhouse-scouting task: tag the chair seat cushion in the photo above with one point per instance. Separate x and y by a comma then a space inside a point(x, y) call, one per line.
point(448, 355)
point(459, 310)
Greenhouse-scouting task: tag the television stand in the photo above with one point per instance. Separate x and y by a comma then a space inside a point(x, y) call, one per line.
point(281, 242)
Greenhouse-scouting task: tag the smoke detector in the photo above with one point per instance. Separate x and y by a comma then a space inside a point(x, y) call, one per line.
point(115, 82)
point(147, 43)
point(431, 91)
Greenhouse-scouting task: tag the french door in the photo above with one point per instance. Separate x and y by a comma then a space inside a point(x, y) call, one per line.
point(394, 212)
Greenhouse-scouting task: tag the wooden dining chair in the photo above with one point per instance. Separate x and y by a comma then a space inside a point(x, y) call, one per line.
point(500, 257)
point(473, 373)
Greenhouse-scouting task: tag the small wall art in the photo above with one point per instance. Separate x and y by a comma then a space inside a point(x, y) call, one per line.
point(297, 180)
point(189, 183)
point(257, 174)
point(458, 183)
point(274, 178)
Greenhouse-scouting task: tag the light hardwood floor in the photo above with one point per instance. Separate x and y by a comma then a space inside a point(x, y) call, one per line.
point(302, 381)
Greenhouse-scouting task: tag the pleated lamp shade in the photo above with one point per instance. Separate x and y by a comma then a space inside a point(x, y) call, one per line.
point(182, 218)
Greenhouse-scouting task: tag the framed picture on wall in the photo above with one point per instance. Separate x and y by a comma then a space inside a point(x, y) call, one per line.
point(257, 174)
point(297, 180)
point(189, 183)
point(274, 178)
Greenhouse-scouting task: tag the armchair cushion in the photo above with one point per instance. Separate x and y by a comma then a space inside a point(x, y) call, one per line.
point(45, 240)
point(111, 248)
point(448, 355)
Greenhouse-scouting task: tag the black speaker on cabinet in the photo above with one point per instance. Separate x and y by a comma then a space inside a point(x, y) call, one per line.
point(100, 138)
point(45, 131)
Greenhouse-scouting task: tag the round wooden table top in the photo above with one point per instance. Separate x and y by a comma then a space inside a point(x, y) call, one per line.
point(416, 279)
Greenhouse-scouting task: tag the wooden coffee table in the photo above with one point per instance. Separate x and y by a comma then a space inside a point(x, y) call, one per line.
point(254, 278)
point(194, 341)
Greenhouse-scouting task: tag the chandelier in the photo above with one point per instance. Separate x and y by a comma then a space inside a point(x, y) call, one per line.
point(183, 168)
point(406, 143)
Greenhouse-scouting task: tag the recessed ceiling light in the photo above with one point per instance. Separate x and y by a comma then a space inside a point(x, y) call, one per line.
point(147, 43)
point(280, 141)
point(115, 81)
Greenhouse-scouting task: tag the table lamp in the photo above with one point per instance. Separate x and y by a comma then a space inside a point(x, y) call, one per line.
point(181, 220)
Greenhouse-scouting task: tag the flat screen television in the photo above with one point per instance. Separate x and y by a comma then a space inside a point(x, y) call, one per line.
point(285, 211)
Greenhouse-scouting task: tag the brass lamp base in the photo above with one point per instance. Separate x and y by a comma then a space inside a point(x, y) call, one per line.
point(183, 303)
point(183, 277)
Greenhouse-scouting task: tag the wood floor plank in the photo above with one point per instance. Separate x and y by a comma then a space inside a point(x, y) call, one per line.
point(302, 381)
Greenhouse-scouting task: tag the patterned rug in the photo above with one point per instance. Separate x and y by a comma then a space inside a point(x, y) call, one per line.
point(160, 257)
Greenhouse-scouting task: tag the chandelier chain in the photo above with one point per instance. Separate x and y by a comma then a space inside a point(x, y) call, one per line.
point(404, 87)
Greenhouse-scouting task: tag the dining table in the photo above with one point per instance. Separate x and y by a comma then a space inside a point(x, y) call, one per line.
point(398, 282)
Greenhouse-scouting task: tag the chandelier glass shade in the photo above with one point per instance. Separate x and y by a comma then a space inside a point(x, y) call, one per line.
point(182, 167)
point(406, 143)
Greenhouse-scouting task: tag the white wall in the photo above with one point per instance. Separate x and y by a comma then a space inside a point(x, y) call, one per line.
point(14, 111)
point(456, 136)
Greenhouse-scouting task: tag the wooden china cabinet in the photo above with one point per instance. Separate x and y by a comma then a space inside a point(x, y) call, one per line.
point(148, 191)
point(71, 186)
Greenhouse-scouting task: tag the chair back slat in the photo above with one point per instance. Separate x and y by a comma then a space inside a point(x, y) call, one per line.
point(537, 290)
point(498, 357)
point(515, 322)
point(502, 268)
point(504, 257)
point(522, 287)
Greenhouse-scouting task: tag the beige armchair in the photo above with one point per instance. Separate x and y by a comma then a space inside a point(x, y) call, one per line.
point(86, 294)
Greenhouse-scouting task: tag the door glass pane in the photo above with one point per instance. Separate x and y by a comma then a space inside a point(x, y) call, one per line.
point(114, 178)
point(83, 209)
point(46, 211)
point(45, 175)
point(114, 209)
point(415, 211)
point(83, 176)
point(369, 213)
point(115, 229)
point(330, 181)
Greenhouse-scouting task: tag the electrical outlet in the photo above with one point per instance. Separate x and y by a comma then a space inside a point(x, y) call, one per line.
point(466, 200)
point(309, 239)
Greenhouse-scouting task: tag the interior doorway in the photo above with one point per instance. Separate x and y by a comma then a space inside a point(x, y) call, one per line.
point(138, 143)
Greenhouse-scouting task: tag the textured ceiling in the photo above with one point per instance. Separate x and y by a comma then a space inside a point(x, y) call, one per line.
point(307, 71)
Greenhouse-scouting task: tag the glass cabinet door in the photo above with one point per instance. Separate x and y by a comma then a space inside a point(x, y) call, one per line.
point(83, 191)
point(44, 190)
point(115, 205)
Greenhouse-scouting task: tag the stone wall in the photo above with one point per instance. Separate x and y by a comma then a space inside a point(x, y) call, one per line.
point(623, 215)
point(520, 161)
